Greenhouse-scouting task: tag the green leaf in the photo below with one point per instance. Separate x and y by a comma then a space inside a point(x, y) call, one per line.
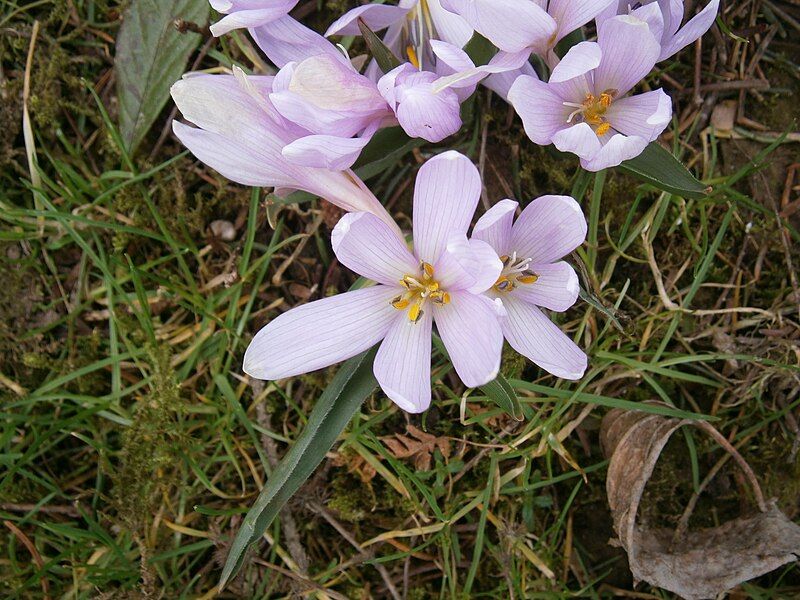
point(479, 49)
point(380, 52)
point(339, 402)
point(151, 55)
point(503, 395)
point(660, 168)
point(384, 150)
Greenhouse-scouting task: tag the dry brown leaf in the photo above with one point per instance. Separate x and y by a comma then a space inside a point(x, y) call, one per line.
point(419, 446)
point(702, 563)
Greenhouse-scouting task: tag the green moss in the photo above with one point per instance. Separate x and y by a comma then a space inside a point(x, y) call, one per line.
point(147, 458)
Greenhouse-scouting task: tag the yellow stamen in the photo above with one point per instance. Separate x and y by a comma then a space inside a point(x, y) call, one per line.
point(420, 289)
point(528, 279)
point(412, 56)
point(415, 312)
point(400, 303)
point(603, 129)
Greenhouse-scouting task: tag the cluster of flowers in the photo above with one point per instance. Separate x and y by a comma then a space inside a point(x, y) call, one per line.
point(305, 127)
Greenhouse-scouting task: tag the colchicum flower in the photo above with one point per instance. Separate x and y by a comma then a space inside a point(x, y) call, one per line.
point(667, 29)
point(441, 282)
point(585, 107)
point(239, 132)
point(535, 25)
point(533, 276)
point(410, 25)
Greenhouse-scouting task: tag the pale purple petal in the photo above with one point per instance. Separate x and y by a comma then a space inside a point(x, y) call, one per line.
point(645, 115)
point(286, 40)
point(325, 151)
point(424, 113)
point(403, 363)
point(541, 109)
point(465, 81)
point(376, 16)
point(324, 96)
point(365, 244)
point(548, 229)
point(494, 227)
point(556, 288)
point(652, 15)
point(629, 53)
point(692, 31)
point(536, 337)
point(572, 14)
point(450, 27)
point(470, 329)
point(614, 152)
point(446, 194)
point(321, 333)
point(500, 83)
point(579, 60)
point(249, 14)
point(471, 265)
point(579, 139)
point(510, 25)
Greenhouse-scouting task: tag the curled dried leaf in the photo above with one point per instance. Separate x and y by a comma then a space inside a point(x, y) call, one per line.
point(699, 564)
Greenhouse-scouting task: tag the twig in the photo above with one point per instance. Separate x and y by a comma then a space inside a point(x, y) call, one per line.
point(37, 558)
point(325, 514)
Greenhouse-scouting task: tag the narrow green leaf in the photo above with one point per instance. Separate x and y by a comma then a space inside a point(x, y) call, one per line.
point(151, 55)
point(380, 52)
point(661, 169)
point(333, 411)
point(384, 150)
point(503, 395)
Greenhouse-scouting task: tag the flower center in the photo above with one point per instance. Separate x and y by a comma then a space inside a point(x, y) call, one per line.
point(593, 111)
point(418, 31)
point(515, 272)
point(419, 290)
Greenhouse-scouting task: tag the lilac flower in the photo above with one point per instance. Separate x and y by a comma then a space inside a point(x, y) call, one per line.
point(441, 282)
point(667, 26)
point(410, 25)
point(328, 98)
point(248, 13)
point(585, 109)
point(240, 134)
point(536, 25)
point(549, 228)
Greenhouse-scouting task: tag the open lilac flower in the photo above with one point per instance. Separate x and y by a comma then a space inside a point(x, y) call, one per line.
point(667, 28)
point(248, 13)
point(441, 282)
point(239, 132)
point(585, 107)
point(533, 276)
point(535, 25)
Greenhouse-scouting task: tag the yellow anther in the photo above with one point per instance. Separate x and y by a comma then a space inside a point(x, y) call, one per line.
point(420, 289)
point(400, 303)
point(603, 129)
point(515, 272)
point(412, 56)
point(528, 279)
point(415, 312)
point(605, 99)
point(504, 259)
